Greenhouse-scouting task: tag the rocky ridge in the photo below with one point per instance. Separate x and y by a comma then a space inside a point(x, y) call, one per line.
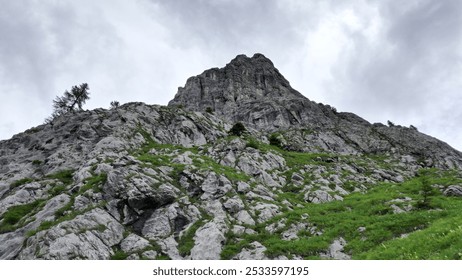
point(154, 182)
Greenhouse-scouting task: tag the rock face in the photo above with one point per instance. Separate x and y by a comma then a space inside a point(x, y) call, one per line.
point(249, 90)
point(252, 91)
point(146, 181)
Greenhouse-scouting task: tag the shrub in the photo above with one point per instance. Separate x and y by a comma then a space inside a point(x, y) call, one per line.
point(115, 104)
point(209, 110)
point(390, 124)
point(252, 143)
point(275, 140)
point(238, 129)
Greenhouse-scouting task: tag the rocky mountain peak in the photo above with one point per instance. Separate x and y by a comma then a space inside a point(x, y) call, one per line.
point(244, 85)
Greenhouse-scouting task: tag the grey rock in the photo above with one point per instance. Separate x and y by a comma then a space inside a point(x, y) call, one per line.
point(266, 211)
point(238, 230)
point(208, 242)
point(255, 252)
point(170, 247)
point(453, 190)
point(158, 225)
point(150, 255)
point(318, 196)
point(336, 250)
point(10, 245)
point(234, 205)
point(276, 226)
point(80, 238)
point(215, 186)
point(133, 243)
point(243, 187)
point(244, 217)
point(292, 232)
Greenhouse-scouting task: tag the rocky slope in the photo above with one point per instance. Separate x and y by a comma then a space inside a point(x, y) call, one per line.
point(155, 182)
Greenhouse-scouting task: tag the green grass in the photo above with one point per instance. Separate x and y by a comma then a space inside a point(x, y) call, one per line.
point(119, 255)
point(65, 176)
point(207, 163)
point(56, 190)
point(21, 182)
point(431, 233)
point(12, 218)
point(95, 183)
point(186, 242)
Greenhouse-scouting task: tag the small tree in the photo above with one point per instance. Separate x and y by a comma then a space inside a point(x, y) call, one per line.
point(70, 102)
point(238, 129)
point(426, 192)
point(390, 124)
point(115, 104)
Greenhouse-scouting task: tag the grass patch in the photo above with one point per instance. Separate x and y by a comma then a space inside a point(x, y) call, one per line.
point(21, 182)
point(12, 217)
point(56, 190)
point(207, 163)
point(119, 255)
point(65, 176)
point(95, 183)
point(432, 232)
point(186, 242)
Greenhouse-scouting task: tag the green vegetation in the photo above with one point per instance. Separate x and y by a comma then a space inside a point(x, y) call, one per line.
point(65, 176)
point(253, 143)
point(66, 212)
point(238, 129)
point(15, 216)
point(275, 140)
point(430, 232)
point(56, 190)
point(21, 182)
point(186, 242)
point(95, 183)
point(119, 255)
point(36, 162)
point(209, 110)
point(70, 102)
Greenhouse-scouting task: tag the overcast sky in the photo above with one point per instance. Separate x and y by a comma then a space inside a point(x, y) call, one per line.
point(383, 60)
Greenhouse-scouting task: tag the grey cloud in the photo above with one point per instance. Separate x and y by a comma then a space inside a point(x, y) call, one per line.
point(231, 25)
point(419, 48)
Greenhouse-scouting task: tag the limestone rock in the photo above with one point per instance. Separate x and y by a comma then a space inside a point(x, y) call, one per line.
point(453, 190)
point(133, 243)
point(256, 252)
point(208, 241)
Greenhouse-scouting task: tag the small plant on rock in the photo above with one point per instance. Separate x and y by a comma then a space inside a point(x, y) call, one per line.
point(238, 129)
point(275, 140)
point(115, 104)
point(209, 110)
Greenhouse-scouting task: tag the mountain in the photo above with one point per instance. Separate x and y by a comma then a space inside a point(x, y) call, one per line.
point(296, 180)
point(252, 91)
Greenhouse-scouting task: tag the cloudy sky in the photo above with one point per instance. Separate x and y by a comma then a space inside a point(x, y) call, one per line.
point(383, 60)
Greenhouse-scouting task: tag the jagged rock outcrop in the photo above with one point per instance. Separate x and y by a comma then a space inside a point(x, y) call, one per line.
point(252, 91)
point(147, 181)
